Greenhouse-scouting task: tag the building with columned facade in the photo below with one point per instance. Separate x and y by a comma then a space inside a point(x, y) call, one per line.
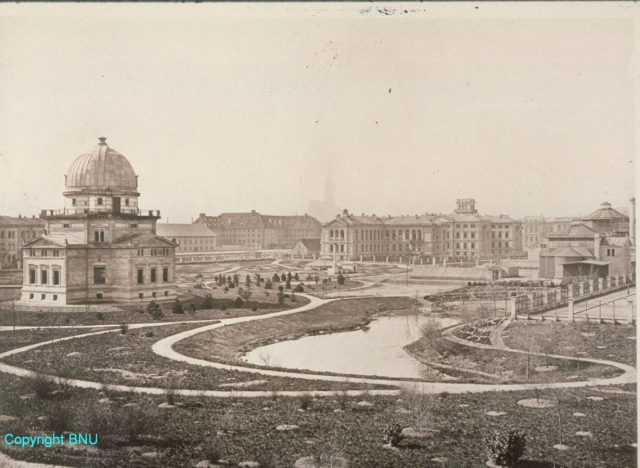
point(101, 247)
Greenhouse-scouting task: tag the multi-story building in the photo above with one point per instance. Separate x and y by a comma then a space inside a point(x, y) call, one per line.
point(601, 244)
point(253, 230)
point(14, 232)
point(189, 237)
point(101, 247)
point(536, 228)
point(464, 234)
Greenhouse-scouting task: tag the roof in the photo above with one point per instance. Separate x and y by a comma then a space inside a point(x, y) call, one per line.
point(408, 220)
point(580, 252)
point(616, 241)
point(145, 240)
point(588, 262)
point(255, 220)
point(12, 221)
point(310, 244)
point(605, 212)
point(101, 168)
point(183, 230)
point(575, 230)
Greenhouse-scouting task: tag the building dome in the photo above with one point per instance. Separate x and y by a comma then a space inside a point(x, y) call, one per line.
point(101, 168)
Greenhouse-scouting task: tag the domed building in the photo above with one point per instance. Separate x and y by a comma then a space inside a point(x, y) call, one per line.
point(101, 248)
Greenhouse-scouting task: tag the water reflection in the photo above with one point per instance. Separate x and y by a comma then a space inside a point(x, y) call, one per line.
point(376, 351)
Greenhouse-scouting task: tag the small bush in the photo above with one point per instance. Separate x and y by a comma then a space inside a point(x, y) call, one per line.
point(238, 302)
point(393, 434)
point(155, 310)
point(212, 450)
point(177, 307)
point(59, 417)
point(42, 385)
point(149, 333)
point(136, 421)
point(124, 328)
point(299, 289)
point(305, 401)
point(254, 308)
point(100, 316)
point(223, 307)
point(207, 303)
point(505, 446)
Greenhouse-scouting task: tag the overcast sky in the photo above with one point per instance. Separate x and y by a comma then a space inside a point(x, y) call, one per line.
point(215, 114)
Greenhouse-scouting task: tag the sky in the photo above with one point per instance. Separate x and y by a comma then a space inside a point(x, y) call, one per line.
point(223, 113)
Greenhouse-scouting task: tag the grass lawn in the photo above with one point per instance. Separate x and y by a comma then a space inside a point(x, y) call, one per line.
point(228, 344)
point(20, 338)
point(602, 341)
point(133, 431)
point(134, 363)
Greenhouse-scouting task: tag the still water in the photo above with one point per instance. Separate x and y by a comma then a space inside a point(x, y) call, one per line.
point(376, 351)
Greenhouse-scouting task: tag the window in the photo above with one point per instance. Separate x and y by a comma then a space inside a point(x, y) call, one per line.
point(140, 276)
point(134, 226)
point(32, 253)
point(457, 235)
point(165, 274)
point(73, 202)
point(99, 275)
point(30, 296)
point(153, 294)
point(43, 297)
point(98, 295)
point(140, 252)
point(56, 277)
point(166, 293)
point(126, 202)
point(43, 253)
point(141, 295)
point(153, 275)
point(611, 252)
point(99, 236)
point(44, 276)
point(56, 253)
point(66, 225)
point(32, 276)
point(99, 202)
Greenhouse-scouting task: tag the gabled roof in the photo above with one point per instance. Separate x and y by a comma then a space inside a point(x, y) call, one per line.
point(183, 230)
point(575, 230)
point(617, 241)
point(145, 240)
point(44, 241)
point(310, 244)
point(579, 252)
point(13, 221)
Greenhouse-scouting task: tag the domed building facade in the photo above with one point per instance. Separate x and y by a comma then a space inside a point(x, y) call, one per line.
point(101, 248)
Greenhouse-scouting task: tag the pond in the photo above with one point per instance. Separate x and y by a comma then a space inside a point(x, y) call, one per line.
point(377, 351)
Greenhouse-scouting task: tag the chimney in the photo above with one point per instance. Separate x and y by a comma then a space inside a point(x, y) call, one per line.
point(632, 218)
point(597, 240)
point(202, 215)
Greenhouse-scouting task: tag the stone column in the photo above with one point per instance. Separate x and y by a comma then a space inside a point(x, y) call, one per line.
point(434, 261)
point(590, 286)
point(570, 311)
point(601, 284)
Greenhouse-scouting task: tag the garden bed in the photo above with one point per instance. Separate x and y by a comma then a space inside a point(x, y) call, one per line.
point(114, 358)
point(602, 341)
point(133, 431)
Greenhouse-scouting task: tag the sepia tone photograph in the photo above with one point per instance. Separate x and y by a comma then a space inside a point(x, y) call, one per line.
point(318, 235)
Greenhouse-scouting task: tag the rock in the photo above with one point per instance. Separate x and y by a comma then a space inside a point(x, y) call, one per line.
point(579, 415)
point(286, 427)
point(410, 432)
point(7, 419)
point(403, 411)
point(390, 447)
point(631, 337)
point(595, 398)
point(166, 405)
point(266, 408)
point(150, 455)
point(439, 460)
point(119, 348)
point(588, 335)
point(75, 353)
point(338, 410)
point(584, 434)
point(42, 418)
point(601, 347)
point(539, 403)
point(546, 368)
point(28, 396)
point(250, 383)
point(495, 413)
point(635, 445)
point(463, 406)
point(104, 401)
point(249, 464)
point(561, 447)
point(207, 464)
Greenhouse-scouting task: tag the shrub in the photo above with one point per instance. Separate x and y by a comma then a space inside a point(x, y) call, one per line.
point(177, 307)
point(268, 284)
point(155, 310)
point(231, 285)
point(207, 303)
point(192, 309)
point(505, 446)
point(305, 401)
point(341, 279)
point(124, 328)
point(223, 307)
point(149, 334)
point(393, 434)
point(42, 385)
point(136, 420)
point(212, 450)
point(59, 417)
point(238, 302)
point(299, 289)
point(275, 278)
point(254, 308)
point(296, 277)
point(100, 316)
point(287, 285)
point(95, 419)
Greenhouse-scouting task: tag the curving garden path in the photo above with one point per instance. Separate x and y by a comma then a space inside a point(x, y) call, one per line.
point(164, 348)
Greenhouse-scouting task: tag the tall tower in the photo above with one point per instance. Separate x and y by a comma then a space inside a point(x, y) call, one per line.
point(329, 191)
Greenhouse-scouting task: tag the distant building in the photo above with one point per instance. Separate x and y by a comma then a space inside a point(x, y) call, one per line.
point(253, 230)
point(14, 232)
point(601, 244)
point(462, 235)
point(326, 209)
point(189, 237)
point(101, 247)
point(536, 228)
point(306, 247)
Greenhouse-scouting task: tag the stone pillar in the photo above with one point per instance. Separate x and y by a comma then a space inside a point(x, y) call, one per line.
point(513, 307)
point(434, 261)
point(570, 311)
point(590, 286)
point(420, 260)
point(630, 316)
point(601, 284)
